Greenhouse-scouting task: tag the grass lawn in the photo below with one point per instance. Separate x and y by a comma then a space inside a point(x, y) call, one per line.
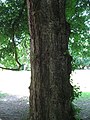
point(3, 95)
point(84, 96)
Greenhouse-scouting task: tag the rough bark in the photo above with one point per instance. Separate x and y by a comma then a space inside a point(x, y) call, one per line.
point(50, 89)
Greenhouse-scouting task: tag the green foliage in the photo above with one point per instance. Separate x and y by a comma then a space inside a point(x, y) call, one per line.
point(76, 92)
point(14, 24)
point(14, 34)
point(77, 13)
point(76, 95)
point(82, 63)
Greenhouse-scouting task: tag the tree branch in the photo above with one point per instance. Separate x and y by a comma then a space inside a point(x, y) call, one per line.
point(14, 28)
point(15, 50)
point(10, 69)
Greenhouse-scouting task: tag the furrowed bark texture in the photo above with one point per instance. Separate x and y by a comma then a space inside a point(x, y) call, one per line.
point(50, 89)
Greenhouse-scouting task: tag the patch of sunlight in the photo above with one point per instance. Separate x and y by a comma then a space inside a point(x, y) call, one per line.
point(82, 78)
point(3, 0)
point(15, 82)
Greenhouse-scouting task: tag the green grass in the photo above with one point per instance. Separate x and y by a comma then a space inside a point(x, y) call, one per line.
point(3, 95)
point(84, 96)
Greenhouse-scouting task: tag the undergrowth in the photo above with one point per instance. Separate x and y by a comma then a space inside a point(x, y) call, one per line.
point(76, 94)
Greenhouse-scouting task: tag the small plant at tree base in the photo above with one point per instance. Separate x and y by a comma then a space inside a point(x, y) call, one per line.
point(76, 111)
point(76, 94)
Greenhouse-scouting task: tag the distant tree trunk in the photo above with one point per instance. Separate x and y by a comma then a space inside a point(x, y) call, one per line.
point(50, 89)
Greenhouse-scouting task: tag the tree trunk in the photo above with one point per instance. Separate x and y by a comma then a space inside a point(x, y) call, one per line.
point(50, 89)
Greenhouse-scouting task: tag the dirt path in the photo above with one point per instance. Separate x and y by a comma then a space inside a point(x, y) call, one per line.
point(84, 105)
point(17, 108)
point(14, 108)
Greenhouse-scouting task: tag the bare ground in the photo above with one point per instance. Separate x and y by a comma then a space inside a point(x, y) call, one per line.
point(17, 108)
point(14, 108)
point(84, 106)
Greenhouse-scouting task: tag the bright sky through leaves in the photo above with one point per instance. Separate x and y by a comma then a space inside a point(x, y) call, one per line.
point(3, 0)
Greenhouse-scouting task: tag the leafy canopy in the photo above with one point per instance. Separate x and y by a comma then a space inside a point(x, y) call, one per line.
point(77, 13)
point(15, 39)
point(14, 34)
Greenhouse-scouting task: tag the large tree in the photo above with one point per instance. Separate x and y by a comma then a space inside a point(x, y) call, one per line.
point(50, 90)
point(49, 52)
